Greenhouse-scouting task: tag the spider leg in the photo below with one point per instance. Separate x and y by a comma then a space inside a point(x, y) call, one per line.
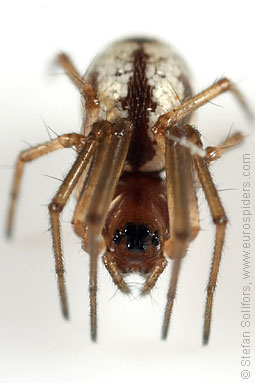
point(178, 168)
point(66, 63)
point(87, 91)
point(193, 206)
point(194, 230)
point(58, 203)
point(215, 152)
point(103, 195)
point(190, 105)
point(154, 275)
point(110, 264)
point(63, 141)
point(220, 220)
point(88, 187)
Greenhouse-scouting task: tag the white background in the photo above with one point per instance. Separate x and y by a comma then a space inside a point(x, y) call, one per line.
point(36, 344)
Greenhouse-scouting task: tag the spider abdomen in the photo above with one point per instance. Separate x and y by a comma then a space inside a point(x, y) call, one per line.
point(139, 79)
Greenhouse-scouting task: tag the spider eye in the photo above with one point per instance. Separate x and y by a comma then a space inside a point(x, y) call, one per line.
point(155, 240)
point(117, 237)
point(136, 237)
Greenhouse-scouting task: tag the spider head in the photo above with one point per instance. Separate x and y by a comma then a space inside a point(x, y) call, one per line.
point(135, 247)
point(137, 224)
point(137, 238)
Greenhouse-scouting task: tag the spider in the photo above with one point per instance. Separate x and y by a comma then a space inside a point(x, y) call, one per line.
point(138, 103)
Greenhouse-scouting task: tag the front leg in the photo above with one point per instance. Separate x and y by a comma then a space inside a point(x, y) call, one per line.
point(56, 207)
point(219, 219)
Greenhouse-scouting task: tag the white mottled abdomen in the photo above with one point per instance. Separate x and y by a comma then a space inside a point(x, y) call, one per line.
point(140, 80)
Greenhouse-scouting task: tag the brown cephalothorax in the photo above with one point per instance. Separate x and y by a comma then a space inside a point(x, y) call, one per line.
point(138, 102)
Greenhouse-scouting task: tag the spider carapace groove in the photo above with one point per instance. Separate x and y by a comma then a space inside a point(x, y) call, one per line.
point(138, 101)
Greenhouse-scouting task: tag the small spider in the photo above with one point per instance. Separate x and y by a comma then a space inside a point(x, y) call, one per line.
point(137, 107)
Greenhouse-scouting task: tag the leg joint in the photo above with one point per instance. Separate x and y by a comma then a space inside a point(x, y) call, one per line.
point(210, 290)
point(55, 207)
point(60, 270)
point(220, 220)
point(225, 83)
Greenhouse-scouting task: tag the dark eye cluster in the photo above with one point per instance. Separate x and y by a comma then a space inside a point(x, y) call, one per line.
point(136, 237)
